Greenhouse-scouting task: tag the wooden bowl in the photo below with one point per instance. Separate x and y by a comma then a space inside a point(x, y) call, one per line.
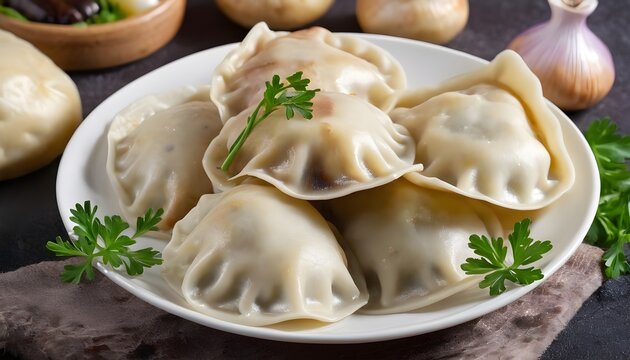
point(103, 45)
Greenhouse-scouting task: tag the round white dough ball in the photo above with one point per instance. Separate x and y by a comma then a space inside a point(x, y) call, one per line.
point(278, 14)
point(436, 21)
point(39, 108)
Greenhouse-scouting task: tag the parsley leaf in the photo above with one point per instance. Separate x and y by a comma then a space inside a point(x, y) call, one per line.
point(113, 246)
point(294, 97)
point(611, 228)
point(493, 254)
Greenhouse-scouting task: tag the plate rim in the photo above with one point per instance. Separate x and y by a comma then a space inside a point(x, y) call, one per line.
point(271, 333)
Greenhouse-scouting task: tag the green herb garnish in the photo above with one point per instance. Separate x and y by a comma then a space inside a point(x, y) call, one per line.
point(611, 228)
point(294, 97)
point(105, 239)
point(109, 12)
point(493, 253)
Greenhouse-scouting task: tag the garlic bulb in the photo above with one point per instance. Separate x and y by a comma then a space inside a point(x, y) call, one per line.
point(574, 66)
point(436, 21)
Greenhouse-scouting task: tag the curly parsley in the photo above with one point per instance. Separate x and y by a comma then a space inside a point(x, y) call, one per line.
point(294, 97)
point(493, 255)
point(105, 239)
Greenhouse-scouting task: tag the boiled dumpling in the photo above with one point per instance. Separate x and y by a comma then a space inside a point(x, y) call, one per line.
point(279, 14)
point(489, 135)
point(156, 146)
point(332, 62)
point(255, 256)
point(39, 108)
point(141, 109)
point(437, 21)
point(347, 146)
point(410, 242)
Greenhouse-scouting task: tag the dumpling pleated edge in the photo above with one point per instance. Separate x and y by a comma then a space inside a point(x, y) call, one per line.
point(509, 72)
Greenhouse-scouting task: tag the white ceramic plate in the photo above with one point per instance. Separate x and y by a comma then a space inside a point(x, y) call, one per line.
point(82, 177)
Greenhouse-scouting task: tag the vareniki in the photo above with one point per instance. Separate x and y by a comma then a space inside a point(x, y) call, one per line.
point(509, 151)
point(333, 62)
point(155, 150)
point(39, 108)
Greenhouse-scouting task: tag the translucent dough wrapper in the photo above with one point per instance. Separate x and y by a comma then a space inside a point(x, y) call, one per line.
point(489, 135)
point(333, 62)
point(155, 151)
point(348, 145)
point(255, 256)
point(39, 108)
point(279, 14)
point(410, 242)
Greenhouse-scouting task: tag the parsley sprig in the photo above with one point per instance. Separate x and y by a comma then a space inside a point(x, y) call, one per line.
point(493, 255)
point(106, 240)
point(294, 97)
point(611, 228)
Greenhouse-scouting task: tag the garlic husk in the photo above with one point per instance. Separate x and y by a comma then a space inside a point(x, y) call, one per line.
point(574, 66)
point(436, 21)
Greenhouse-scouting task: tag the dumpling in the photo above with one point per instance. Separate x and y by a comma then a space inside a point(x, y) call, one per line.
point(410, 242)
point(279, 14)
point(333, 62)
point(141, 109)
point(437, 21)
point(39, 108)
point(348, 145)
point(489, 135)
point(255, 256)
point(156, 146)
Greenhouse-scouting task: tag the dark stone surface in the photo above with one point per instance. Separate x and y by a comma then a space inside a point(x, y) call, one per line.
point(35, 324)
point(28, 209)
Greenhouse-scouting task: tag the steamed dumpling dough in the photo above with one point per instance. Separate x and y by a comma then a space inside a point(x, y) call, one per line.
point(156, 146)
point(489, 135)
point(348, 145)
point(333, 62)
point(39, 108)
point(279, 14)
point(410, 242)
point(437, 21)
point(255, 256)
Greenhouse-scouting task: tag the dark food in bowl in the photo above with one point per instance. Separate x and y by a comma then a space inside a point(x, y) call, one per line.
point(63, 12)
point(52, 11)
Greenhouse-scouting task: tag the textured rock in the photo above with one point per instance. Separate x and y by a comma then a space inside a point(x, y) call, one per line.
point(41, 318)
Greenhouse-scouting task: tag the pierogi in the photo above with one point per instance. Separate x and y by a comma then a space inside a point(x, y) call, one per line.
point(155, 153)
point(490, 135)
point(333, 62)
point(255, 256)
point(410, 242)
point(39, 108)
point(279, 14)
point(348, 145)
